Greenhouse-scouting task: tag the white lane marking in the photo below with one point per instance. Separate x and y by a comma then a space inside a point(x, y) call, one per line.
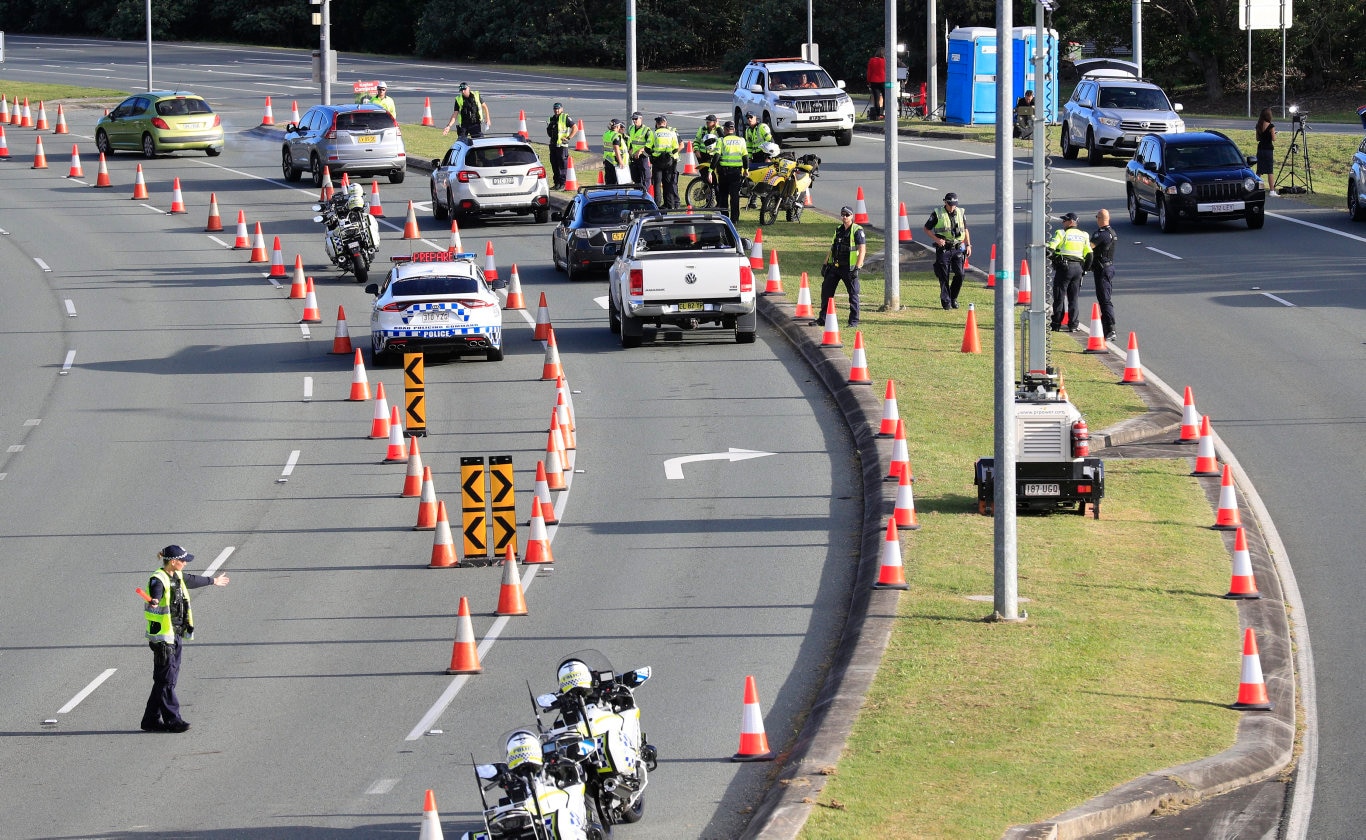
point(70, 308)
point(18, 447)
point(1317, 227)
point(66, 365)
point(308, 388)
point(44, 266)
point(274, 282)
point(221, 242)
point(1281, 301)
point(2, 476)
point(4, 232)
point(85, 692)
point(381, 786)
point(32, 422)
point(153, 209)
point(601, 301)
point(922, 186)
point(1163, 253)
point(220, 559)
point(289, 467)
point(303, 328)
point(78, 181)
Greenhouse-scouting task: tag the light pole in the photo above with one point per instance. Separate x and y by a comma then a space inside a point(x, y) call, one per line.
point(149, 44)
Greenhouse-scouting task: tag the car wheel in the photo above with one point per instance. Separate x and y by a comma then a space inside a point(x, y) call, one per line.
point(380, 358)
point(1255, 221)
point(845, 137)
point(1354, 208)
point(149, 145)
point(315, 166)
point(494, 354)
point(1065, 139)
point(213, 151)
point(570, 273)
point(739, 120)
point(814, 138)
point(745, 337)
point(631, 332)
point(555, 255)
point(1164, 218)
point(102, 143)
point(541, 215)
point(1137, 214)
point(398, 176)
point(291, 172)
point(613, 317)
point(1094, 156)
point(438, 212)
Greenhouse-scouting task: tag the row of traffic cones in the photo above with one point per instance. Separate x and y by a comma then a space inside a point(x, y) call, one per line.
point(21, 116)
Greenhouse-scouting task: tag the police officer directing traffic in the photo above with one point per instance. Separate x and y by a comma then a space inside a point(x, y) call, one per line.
point(472, 113)
point(842, 265)
point(732, 162)
point(1070, 249)
point(382, 99)
point(168, 620)
point(559, 129)
point(1103, 243)
point(948, 227)
point(664, 163)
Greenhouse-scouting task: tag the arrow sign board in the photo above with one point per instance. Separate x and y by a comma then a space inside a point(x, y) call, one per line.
point(673, 468)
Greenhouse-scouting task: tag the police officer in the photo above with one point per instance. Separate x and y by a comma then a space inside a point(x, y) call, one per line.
point(757, 135)
point(1103, 243)
point(1070, 249)
point(948, 227)
point(560, 129)
point(168, 620)
point(381, 98)
point(732, 162)
point(472, 112)
point(640, 140)
point(842, 265)
point(708, 128)
point(664, 163)
point(613, 150)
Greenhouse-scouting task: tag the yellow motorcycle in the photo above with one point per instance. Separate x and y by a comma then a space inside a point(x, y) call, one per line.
point(781, 185)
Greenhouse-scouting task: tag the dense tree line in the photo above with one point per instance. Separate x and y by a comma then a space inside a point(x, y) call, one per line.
point(1186, 42)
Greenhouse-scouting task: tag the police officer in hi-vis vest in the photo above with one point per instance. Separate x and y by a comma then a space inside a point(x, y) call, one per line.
point(560, 129)
point(842, 265)
point(948, 227)
point(168, 619)
point(664, 164)
point(1070, 249)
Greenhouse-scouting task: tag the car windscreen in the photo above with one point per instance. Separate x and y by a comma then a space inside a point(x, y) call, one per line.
point(433, 286)
point(181, 107)
point(799, 79)
point(690, 236)
point(1133, 99)
point(518, 155)
point(364, 121)
point(1211, 156)
point(609, 212)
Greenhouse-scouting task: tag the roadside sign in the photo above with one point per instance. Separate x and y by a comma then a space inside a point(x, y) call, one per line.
point(415, 394)
point(502, 503)
point(473, 523)
point(1265, 14)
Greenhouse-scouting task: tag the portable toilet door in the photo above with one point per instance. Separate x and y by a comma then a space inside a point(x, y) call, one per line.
point(1045, 95)
point(970, 95)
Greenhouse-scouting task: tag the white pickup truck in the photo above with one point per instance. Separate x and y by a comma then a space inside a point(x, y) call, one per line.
point(683, 270)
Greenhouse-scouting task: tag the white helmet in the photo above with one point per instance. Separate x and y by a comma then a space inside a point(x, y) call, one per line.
point(523, 749)
point(770, 149)
point(710, 142)
point(574, 674)
point(355, 197)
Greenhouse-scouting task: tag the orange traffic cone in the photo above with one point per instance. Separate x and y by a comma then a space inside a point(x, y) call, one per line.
point(756, 251)
point(26, 116)
point(258, 247)
point(326, 193)
point(426, 503)
point(40, 158)
point(311, 313)
point(294, 111)
point(554, 464)
point(689, 159)
point(298, 287)
point(267, 117)
point(753, 739)
point(807, 199)
point(341, 340)
point(215, 222)
point(551, 368)
point(376, 207)
point(1251, 686)
point(427, 112)
point(379, 424)
point(360, 384)
point(803, 309)
point(860, 208)
point(514, 298)
point(456, 244)
point(4, 109)
point(1205, 461)
point(1022, 295)
point(971, 342)
point(890, 412)
point(76, 171)
point(61, 121)
point(542, 330)
point(1133, 370)
point(903, 225)
point(1243, 584)
point(831, 336)
point(1095, 339)
point(412, 478)
point(410, 230)
point(775, 277)
point(41, 124)
point(1227, 518)
point(537, 543)
point(277, 260)
point(177, 200)
point(397, 450)
point(521, 126)
point(490, 268)
point(904, 512)
point(139, 186)
point(102, 174)
point(4, 144)
point(571, 178)
point(890, 574)
point(444, 554)
point(991, 268)
point(562, 420)
point(858, 368)
point(557, 439)
point(901, 455)
point(542, 495)
point(1190, 419)
point(601, 179)
point(242, 241)
point(465, 654)
point(511, 599)
point(581, 139)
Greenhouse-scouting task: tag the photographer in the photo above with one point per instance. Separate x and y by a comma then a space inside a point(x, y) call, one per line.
point(948, 227)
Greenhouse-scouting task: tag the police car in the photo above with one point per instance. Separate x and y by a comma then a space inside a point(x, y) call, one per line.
point(435, 302)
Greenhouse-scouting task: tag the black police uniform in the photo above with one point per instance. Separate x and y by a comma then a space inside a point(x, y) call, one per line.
point(163, 707)
point(838, 270)
point(1103, 243)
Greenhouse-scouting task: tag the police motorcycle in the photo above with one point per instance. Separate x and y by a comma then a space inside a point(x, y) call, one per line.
point(701, 191)
point(352, 236)
point(781, 183)
point(543, 790)
point(597, 703)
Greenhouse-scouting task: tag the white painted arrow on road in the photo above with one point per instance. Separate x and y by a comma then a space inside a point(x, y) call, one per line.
point(673, 468)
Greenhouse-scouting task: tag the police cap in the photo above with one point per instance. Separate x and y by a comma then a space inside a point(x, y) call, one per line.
point(660, 120)
point(557, 105)
point(637, 115)
point(464, 86)
point(1068, 217)
point(951, 198)
point(729, 124)
point(711, 118)
point(175, 552)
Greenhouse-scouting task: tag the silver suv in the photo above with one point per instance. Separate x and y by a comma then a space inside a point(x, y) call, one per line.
point(485, 176)
point(356, 139)
point(795, 98)
point(1111, 110)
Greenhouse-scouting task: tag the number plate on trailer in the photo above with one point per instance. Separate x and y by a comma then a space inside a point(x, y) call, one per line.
point(1042, 490)
point(366, 138)
point(690, 306)
point(507, 179)
point(1222, 207)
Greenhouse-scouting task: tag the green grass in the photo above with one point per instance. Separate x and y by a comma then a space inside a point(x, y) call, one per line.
point(36, 91)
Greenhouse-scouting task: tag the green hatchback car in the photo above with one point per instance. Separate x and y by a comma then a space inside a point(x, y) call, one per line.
point(160, 121)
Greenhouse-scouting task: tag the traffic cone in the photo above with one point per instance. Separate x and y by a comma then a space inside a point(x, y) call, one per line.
point(803, 309)
point(571, 178)
point(456, 245)
point(465, 654)
point(562, 390)
point(4, 144)
point(178, 201)
point(376, 206)
point(1133, 370)
point(901, 456)
point(26, 119)
point(76, 171)
point(581, 139)
point(490, 268)
point(267, 118)
point(831, 336)
point(551, 368)
point(521, 126)
point(1227, 518)
point(904, 512)
point(775, 276)
point(40, 159)
point(258, 247)
point(601, 180)
point(542, 329)
point(1022, 296)
point(689, 159)
point(4, 109)
point(410, 230)
point(991, 269)
point(1205, 462)
point(277, 260)
point(1095, 340)
point(891, 574)
point(1190, 419)
point(511, 599)
point(326, 193)
point(444, 554)
point(41, 124)
point(807, 199)
point(514, 298)
point(860, 208)
point(431, 823)
point(341, 340)
point(311, 313)
point(537, 543)
point(1243, 584)
point(379, 425)
point(753, 739)
point(61, 121)
point(242, 240)
point(294, 111)
point(554, 464)
point(1251, 686)
point(756, 251)
point(298, 287)
point(426, 503)
point(397, 449)
point(561, 419)
point(412, 477)
point(858, 368)
point(360, 383)
point(542, 495)
point(890, 412)
point(215, 222)
point(102, 174)
point(557, 439)
point(140, 187)
point(971, 342)
point(427, 112)
point(903, 224)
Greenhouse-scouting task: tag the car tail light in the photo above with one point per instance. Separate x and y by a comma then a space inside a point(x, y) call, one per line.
point(746, 279)
point(393, 307)
point(331, 131)
point(1083, 488)
point(475, 304)
point(158, 122)
point(537, 172)
point(217, 121)
point(637, 281)
point(464, 176)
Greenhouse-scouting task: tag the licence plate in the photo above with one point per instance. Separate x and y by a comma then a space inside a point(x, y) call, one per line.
point(432, 317)
point(366, 138)
point(618, 236)
point(690, 306)
point(1041, 490)
point(192, 125)
point(507, 179)
point(1222, 207)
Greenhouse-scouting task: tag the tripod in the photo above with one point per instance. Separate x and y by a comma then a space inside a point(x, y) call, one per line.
point(1296, 155)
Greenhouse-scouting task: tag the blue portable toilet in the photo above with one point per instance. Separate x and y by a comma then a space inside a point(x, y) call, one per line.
point(1045, 94)
point(970, 95)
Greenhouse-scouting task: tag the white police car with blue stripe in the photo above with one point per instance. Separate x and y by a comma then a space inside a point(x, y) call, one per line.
point(435, 302)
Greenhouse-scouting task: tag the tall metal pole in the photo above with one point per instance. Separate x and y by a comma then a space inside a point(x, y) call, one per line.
point(931, 57)
point(631, 57)
point(1138, 36)
point(1005, 593)
point(1249, 59)
point(811, 34)
point(891, 108)
point(325, 56)
point(149, 44)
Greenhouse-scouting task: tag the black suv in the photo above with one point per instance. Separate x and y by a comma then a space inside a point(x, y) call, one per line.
point(1193, 176)
point(593, 225)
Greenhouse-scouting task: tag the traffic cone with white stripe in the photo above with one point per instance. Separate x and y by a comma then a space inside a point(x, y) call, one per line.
point(379, 424)
point(557, 439)
point(412, 477)
point(1243, 584)
point(102, 174)
point(360, 383)
point(294, 111)
point(456, 245)
point(890, 412)
point(756, 251)
point(903, 514)
point(521, 126)
point(40, 158)
point(376, 206)
point(298, 287)
point(490, 267)
point(1095, 340)
point(1227, 518)
point(177, 200)
point(858, 367)
point(753, 739)
point(242, 241)
point(61, 121)
point(901, 455)
point(258, 247)
point(803, 309)
point(267, 116)
point(972, 342)
point(1205, 462)
point(397, 449)
point(1190, 419)
point(444, 555)
point(775, 276)
point(26, 117)
point(554, 464)
point(139, 185)
point(1251, 687)
point(542, 495)
point(311, 313)
point(903, 224)
point(326, 193)
point(551, 368)
point(410, 229)
point(341, 340)
point(431, 823)
point(860, 208)
point(831, 336)
point(991, 269)
point(511, 599)
point(891, 574)
point(426, 503)
point(542, 330)
point(4, 144)
point(562, 390)
point(1022, 295)
point(465, 654)
point(76, 171)
point(514, 298)
point(277, 260)
point(571, 177)
point(215, 222)
point(537, 543)
point(4, 109)
point(580, 139)
point(1133, 369)
point(41, 124)
point(561, 420)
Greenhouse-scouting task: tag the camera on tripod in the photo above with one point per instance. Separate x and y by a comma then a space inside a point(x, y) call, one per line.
point(1297, 117)
point(1301, 175)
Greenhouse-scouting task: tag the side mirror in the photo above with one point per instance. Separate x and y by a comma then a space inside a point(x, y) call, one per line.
point(747, 245)
point(317, 207)
point(546, 701)
point(1086, 103)
point(436, 163)
point(487, 772)
point(290, 128)
point(556, 216)
point(1251, 162)
point(1176, 107)
point(372, 289)
point(756, 88)
point(319, 217)
point(1151, 166)
point(631, 679)
point(840, 84)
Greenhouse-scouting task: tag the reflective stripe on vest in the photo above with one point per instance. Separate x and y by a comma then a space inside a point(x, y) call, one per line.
point(854, 231)
point(943, 225)
point(564, 131)
point(158, 615)
point(640, 137)
point(756, 136)
point(733, 151)
point(1070, 243)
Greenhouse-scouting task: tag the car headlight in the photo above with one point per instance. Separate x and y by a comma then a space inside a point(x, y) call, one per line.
point(1186, 188)
point(1179, 126)
point(1251, 184)
point(1112, 122)
point(787, 103)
